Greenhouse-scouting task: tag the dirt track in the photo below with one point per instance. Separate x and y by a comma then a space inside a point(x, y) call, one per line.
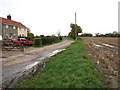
point(19, 63)
point(17, 56)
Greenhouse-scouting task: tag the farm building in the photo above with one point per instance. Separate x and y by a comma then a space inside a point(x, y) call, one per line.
point(12, 29)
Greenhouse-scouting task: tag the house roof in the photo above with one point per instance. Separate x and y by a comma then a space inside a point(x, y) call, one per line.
point(11, 22)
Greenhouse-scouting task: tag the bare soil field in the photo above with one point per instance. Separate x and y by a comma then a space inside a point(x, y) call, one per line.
point(104, 53)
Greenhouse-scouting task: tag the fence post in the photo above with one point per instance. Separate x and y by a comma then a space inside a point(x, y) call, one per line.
point(22, 46)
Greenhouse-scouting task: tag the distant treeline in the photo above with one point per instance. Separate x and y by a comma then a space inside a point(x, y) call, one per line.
point(86, 35)
point(114, 34)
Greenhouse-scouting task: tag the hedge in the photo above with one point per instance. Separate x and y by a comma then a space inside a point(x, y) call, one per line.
point(60, 37)
point(49, 40)
point(37, 42)
point(46, 40)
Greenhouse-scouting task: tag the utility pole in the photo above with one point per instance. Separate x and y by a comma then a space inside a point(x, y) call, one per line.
point(75, 27)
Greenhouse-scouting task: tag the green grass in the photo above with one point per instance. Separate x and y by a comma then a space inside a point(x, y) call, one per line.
point(69, 38)
point(69, 69)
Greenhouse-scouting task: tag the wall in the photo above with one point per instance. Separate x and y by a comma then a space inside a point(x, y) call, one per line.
point(9, 31)
point(22, 32)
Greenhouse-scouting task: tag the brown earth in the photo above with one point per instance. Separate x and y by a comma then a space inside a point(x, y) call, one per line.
point(104, 53)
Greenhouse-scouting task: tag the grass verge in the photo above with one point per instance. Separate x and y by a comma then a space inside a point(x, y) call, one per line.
point(69, 38)
point(69, 69)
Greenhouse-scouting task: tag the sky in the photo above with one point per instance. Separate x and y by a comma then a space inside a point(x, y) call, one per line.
point(48, 17)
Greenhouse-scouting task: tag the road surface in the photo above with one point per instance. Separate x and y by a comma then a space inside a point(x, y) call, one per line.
point(15, 65)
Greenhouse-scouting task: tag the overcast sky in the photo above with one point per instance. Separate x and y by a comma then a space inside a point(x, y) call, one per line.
point(47, 17)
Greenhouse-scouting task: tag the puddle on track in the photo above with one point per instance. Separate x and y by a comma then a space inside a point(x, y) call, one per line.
point(39, 60)
point(31, 65)
point(55, 52)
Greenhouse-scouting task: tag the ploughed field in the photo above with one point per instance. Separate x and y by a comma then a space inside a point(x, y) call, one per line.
point(104, 53)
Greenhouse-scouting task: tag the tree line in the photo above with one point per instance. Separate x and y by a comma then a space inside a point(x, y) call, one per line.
point(76, 29)
point(113, 34)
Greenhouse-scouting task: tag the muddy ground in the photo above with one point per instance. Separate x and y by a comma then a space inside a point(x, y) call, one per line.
point(104, 53)
point(15, 56)
point(16, 63)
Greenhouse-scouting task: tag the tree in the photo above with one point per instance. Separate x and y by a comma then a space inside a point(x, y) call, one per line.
point(97, 34)
point(58, 33)
point(41, 35)
point(114, 34)
point(31, 35)
point(72, 33)
point(28, 30)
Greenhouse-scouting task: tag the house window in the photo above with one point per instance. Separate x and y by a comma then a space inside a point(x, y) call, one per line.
point(6, 26)
point(14, 35)
point(19, 28)
point(14, 27)
point(11, 35)
point(7, 35)
point(24, 29)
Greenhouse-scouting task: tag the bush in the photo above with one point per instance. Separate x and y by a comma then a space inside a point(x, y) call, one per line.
point(60, 37)
point(57, 39)
point(46, 40)
point(29, 38)
point(37, 42)
point(49, 40)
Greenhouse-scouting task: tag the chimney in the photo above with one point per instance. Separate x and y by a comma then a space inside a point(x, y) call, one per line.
point(9, 17)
